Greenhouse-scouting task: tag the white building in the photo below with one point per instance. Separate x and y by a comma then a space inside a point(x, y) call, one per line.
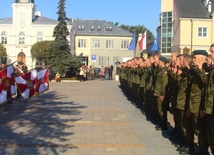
point(23, 29)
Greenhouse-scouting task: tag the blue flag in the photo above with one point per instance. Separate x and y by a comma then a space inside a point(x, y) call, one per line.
point(155, 45)
point(132, 43)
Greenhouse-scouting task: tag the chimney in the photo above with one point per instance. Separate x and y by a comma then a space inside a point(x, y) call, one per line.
point(209, 7)
point(38, 13)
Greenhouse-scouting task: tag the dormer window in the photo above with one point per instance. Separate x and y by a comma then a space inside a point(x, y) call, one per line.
point(98, 28)
point(108, 28)
point(92, 28)
point(83, 27)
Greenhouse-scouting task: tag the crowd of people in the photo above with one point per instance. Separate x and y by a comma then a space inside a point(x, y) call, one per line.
point(182, 86)
point(90, 73)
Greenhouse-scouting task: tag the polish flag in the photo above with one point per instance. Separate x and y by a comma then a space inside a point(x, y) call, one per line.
point(7, 84)
point(142, 42)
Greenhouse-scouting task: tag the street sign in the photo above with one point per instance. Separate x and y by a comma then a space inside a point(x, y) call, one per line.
point(93, 57)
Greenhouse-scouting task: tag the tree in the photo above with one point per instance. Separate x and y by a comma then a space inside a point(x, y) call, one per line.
point(2, 52)
point(138, 29)
point(39, 51)
point(59, 51)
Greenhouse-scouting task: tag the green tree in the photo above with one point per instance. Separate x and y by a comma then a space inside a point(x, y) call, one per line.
point(39, 51)
point(59, 51)
point(139, 29)
point(2, 52)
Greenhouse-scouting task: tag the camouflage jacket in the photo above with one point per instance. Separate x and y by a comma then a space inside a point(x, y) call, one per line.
point(161, 82)
point(198, 80)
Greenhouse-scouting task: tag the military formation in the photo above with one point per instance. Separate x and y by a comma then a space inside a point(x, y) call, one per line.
point(183, 86)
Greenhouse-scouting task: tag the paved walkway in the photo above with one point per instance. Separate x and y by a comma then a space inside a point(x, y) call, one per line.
point(79, 118)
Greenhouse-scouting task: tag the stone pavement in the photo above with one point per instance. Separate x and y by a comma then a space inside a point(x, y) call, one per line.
point(79, 118)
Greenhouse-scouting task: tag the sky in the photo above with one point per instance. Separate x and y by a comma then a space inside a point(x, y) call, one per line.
point(133, 13)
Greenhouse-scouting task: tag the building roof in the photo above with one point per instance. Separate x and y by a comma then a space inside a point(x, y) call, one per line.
point(6, 20)
point(37, 20)
point(193, 8)
point(97, 27)
point(43, 20)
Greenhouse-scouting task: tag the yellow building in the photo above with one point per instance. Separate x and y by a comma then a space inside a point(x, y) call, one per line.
point(191, 23)
point(100, 42)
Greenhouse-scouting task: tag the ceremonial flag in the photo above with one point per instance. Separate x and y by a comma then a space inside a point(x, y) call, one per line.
point(132, 43)
point(155, 44)
point(42, 82)
point(26, 84)
point(7, 84)
point(142, 42)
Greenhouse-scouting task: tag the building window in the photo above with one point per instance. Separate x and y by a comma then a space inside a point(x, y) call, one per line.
point(124, 44)
point(109, 44)
point(166, 31)
point(95, 43)
point(102, 61)
point(21, 38)
point(4, 38)
point(82, 43)
point(202, 32)
point(39, 36)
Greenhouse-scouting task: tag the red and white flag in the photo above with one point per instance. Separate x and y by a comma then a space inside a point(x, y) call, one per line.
point(42, 82)
point(26, 84)
point(7, 84)
point(142, 41)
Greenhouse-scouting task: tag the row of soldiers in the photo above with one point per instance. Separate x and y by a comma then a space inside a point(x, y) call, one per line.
point(184, 86)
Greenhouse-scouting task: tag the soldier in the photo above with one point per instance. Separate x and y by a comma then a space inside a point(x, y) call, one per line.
point(172, 88)
point(198, 80)
point(160, 92)
point(208, 107)
point(182, 98)
point(19, 70)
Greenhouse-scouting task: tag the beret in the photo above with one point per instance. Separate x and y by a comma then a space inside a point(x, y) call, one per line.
point(20, 63)
point(164, 59)
point(200, 52)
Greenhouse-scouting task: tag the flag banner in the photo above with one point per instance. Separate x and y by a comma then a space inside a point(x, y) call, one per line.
point(142, 42)
point(26, 84)
point(42, 82)
point(155, 44)
point(7, 84)
point(132, 43)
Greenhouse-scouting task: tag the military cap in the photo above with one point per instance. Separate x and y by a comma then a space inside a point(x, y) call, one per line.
point(200, 52)
point(164, 59)
point(20, 63)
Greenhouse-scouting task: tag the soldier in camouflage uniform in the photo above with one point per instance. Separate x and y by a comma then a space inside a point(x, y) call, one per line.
point(198, 80)
point(160, 92)
point(182, 98)
point(208, 107)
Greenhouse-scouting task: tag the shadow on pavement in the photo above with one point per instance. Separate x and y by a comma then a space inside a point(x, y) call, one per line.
point(38, 124)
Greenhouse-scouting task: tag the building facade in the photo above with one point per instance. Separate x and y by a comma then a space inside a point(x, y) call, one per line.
point(101, 43)
point(22, 30)
point(186, 25)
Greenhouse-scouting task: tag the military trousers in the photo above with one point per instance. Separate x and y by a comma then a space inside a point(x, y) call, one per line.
point(181, 120)
point(210, 131)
